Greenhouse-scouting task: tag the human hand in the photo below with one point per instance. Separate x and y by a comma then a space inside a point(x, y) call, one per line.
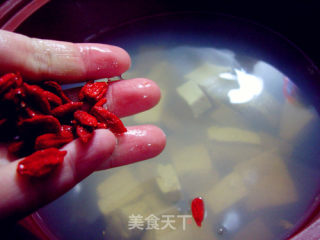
point(66, 62)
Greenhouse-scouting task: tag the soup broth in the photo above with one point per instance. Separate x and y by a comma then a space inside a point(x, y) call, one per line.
point(240, 134)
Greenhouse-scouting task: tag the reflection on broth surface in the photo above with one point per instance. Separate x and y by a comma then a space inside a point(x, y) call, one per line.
point(239, 135)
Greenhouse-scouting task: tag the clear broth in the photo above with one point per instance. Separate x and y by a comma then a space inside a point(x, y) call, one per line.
point(240, 134)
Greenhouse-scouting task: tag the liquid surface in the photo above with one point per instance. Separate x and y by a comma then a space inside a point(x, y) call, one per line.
point(240, 135)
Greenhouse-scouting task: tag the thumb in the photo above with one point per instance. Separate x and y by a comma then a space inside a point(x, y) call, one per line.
point(21, 195)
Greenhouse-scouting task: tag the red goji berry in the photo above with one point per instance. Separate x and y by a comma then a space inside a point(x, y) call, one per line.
point(54, 87)
point(30, 112)
point(7, 81)
point(37, 98)
point(52, 98)
point(102, 125)
point(41, 162)
point(33, 115)
point(49, 140)
point(16, 147)
point(101, 102)
point(113, 122)
point(39, 124)
point(83, 133)
point(14, 95)
point(66, 109)
point(197, 208)
point(93, 91)
point(66, 131)
point(85, 118)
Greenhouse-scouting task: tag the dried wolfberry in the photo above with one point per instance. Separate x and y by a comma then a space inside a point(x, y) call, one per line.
point(7, 81)
point(16, 147)
point(85, 118)
point(101, 102)
point(53, 99)
point(14, 95)
point(49, 140)
point(102, 125)
point(66, 109)
point(37, 98)
point(39, 124)
point(30, 112)
point(66, 131)
point(93, 91)
point(34, 117)
point(113, 122)
point(83, 133)
point(197, 208)
point(41, 162)
point(54, 87)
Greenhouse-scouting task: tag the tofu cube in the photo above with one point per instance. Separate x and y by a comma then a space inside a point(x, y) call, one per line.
point(146, 206)
point(192, 94)
point(190, 159)
point(268, 181)
point(168, 182)
point(264, 108)
point(228, 191)
point(207, 71)
point(230, 134)
point(226, 116)
point(226, 155)
point(118, 190)
point(190, 162)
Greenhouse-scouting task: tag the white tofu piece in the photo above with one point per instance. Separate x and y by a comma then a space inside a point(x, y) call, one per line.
point(268, 181)
point(228, 191)
point(264, 108)
point(118, 190)
point(147, 205)
point(207, 71)
point(191, 159)
point(228, 154)
point(269, 142)
point(208, 78)
point(168, 182)
point(293, 120)
point(226, 116)
point(194, 97)
point(229, 134)
point(190, 162)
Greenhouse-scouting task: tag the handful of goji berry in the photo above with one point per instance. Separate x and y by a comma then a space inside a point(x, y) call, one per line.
point(40, 119)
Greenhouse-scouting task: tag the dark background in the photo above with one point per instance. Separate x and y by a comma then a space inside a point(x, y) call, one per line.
point(298, 21)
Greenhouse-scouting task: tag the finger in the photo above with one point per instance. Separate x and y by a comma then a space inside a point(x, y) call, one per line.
point(129, 97)
point(21, 195)
point(62, 61)
point(139, 143)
